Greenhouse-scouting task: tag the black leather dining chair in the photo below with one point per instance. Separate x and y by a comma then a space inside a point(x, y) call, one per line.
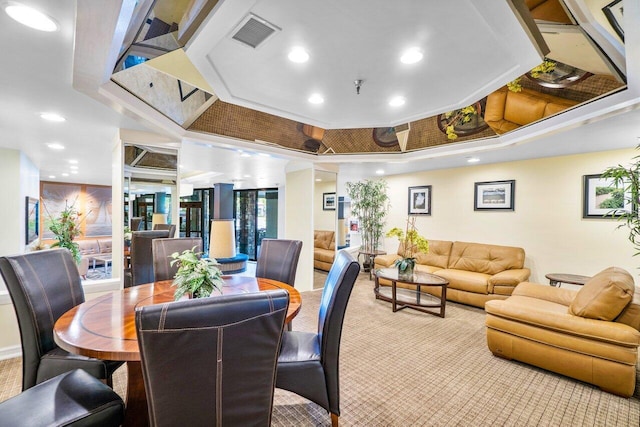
point(163, 248)
point(43, 285)
point(73, 398)
point(141, 270)
point(308, 362)
point(278, 260)
point(211, 361)
point(170, 227)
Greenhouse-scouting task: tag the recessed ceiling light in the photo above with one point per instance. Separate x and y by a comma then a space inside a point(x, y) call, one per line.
point(73, 162)
point(52, 117)
point(473, 160)
point(316, 98)
point(247, 176)
point(397, 101)
point(298, 55)
point(380, 172)
point(411, 56)
point(30, 17)
point(245, 155)
point(73, 167)
point(65, 174)
point(55, 146)
point(74, 172)
point(52, 177)
point(318, 179)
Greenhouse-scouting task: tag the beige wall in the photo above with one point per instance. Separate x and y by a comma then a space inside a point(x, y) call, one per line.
point(547, 221)
point(324, 220)
point(299, 208)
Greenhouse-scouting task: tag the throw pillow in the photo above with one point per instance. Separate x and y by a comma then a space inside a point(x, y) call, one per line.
point(604, 296)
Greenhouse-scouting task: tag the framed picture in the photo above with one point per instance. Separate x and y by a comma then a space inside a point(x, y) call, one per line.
point(602, 199)
point(420, 200)
point(614, 12)
point(329, 201)
point(494, 196)
point(31, 220)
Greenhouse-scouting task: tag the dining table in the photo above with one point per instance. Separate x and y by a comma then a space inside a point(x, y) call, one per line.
point(104, 328)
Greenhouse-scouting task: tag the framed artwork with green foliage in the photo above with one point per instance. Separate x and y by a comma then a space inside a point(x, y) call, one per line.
point(603, 198)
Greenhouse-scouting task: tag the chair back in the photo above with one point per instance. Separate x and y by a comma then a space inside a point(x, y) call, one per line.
point(333, 305)
point(142, 256)
point(212, 361)
point(170, 227)
point(43, 285)
point(137, 223)
point(278, 260)
point(162, 250)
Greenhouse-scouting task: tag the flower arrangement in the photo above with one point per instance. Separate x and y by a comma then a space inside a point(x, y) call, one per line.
point(411, 242)
point(457, 117)
point(127, 236)
point(195, 276)
point(547, 66)
point(66, 227)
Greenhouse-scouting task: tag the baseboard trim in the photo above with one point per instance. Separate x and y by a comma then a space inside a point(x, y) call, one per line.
point(10, 352)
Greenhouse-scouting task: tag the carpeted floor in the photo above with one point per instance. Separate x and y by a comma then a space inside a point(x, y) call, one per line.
point(413, 369)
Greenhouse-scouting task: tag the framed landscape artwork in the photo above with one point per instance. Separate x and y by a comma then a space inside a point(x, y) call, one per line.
point(329, 201)
point(494, 196)
point(420, 200)
point(31, 220)
point(602, 199)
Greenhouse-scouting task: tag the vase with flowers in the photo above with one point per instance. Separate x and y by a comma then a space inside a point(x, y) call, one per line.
point(66, 227)
point(411, 243)
point(196, 276)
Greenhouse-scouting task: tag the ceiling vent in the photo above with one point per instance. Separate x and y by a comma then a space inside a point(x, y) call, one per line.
point(253, 31)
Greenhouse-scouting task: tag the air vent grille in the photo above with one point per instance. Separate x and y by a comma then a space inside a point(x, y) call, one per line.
point(254, 31)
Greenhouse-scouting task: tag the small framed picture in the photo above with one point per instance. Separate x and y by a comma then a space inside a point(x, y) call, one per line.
point(329, 201)
point(420, 200)
point(494, 196)
point(602, 199)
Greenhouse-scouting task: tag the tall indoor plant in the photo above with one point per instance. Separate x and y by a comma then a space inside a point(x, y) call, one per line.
point(628, 178)
point(370, 203)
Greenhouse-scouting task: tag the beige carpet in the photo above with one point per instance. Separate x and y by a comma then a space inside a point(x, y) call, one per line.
point(413, 369)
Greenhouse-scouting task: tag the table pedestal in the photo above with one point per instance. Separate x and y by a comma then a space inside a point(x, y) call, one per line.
point(137, 411)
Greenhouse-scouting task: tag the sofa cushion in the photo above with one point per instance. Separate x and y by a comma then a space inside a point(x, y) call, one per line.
point(605, 295)
point(322, 239)
point(324, 255)
point(105, 246)
point(88, 247)
point(438, 255)
point(487, 259)
point(469, 281)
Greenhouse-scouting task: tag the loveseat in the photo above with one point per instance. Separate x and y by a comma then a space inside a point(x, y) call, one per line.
point(591, 334)
point(476, 272)
point(90, 248)
point(506, 110)
point(324, 249)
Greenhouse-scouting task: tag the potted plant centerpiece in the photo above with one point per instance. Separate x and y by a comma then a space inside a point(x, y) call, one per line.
point(66, 227)
point(410, 244)
point(196, 276)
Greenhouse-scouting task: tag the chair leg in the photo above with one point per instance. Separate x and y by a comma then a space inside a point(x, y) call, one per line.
point(334, 420)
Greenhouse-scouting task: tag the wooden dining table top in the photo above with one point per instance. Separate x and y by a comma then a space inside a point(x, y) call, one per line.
point(104, 327)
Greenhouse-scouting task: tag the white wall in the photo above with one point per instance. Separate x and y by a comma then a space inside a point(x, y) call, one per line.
point(547, 221)
point(299, 208)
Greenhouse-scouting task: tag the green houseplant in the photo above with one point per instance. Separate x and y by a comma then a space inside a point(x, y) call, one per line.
point(410, 244)
point(196, 276)
point(627, 178)
point(369, 202)
point(66, 227)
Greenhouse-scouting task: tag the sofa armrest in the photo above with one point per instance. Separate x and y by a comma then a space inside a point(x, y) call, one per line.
point(508, 278)
point(385, 261)
point(545, 292)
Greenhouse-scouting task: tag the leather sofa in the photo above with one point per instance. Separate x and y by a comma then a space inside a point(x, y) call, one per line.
point(506, 110)
point(591, 334)
point(476, 272)
point(324, 249)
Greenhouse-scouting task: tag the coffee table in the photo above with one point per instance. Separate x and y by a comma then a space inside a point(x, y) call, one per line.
point(401, 298)
point(106, 259)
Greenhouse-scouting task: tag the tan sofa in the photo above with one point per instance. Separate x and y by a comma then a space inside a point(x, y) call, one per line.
point(506, 110)
point(476, 272)
point(324, 249)
point(591, 334)
point(90, 248)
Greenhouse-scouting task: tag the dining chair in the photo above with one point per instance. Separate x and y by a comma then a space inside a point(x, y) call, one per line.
point(278, 260)
point(308, 362)
point(141, 270)
point(72, 398)
point(163, 248)
point(137, 222)
point(170, 227)
point(43, 285)
point(211, 361)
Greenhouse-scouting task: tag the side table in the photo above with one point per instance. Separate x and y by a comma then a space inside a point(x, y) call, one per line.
point(556, 279)
point(370, 257)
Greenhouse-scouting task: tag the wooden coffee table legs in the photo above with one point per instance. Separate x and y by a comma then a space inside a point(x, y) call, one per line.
point(136, 413)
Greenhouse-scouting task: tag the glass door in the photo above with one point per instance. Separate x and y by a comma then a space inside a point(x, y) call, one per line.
point(256, 214)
